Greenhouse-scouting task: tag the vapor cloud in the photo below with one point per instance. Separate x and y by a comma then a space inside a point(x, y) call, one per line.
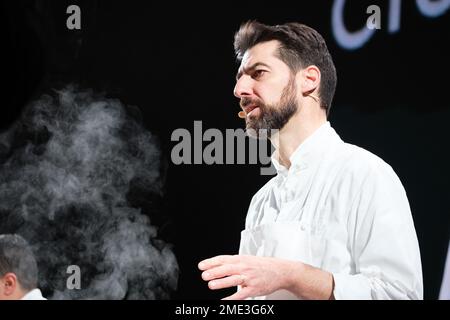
point(67, 168)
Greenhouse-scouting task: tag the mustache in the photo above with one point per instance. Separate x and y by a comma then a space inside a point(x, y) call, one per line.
point(249, 101)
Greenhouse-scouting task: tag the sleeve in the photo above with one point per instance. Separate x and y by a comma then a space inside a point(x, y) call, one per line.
point(383, 242)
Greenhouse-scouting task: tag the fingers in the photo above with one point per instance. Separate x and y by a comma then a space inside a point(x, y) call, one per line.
point(224, 272)
point(231, 281)
point(220, 272)
point(214, 262)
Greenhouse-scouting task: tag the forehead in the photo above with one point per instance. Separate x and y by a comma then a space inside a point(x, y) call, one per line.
point(264, 52)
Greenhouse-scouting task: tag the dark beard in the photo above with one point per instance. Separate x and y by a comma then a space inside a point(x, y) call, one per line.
point(274, 117)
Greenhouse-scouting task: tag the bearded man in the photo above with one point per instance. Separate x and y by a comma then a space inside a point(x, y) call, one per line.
point(335, 222)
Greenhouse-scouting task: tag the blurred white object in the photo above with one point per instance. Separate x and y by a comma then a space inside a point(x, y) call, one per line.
point(445, 287)
point(34, 294)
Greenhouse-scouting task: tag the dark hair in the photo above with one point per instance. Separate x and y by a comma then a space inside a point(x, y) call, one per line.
point(301, 46)
point(16, 257)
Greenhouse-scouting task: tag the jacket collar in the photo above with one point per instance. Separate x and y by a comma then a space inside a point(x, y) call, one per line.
point(310, 150)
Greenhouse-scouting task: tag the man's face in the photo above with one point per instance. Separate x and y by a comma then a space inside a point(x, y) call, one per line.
point(266, 87)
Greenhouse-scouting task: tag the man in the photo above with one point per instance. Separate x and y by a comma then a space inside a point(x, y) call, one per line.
point(335, 222)
point(18, 270)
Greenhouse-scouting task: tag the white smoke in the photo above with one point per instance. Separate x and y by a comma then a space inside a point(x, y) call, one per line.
point(67, 167)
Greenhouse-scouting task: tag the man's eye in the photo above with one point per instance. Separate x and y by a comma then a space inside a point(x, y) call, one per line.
point(258, 73)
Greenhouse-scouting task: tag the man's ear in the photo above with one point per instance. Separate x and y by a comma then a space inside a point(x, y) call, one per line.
point(9, 284)
point(310, 80)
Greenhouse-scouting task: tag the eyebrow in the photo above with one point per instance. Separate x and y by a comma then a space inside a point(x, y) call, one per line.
point(252, 67)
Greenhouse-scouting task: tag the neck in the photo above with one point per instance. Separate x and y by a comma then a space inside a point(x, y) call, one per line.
point(298, 129)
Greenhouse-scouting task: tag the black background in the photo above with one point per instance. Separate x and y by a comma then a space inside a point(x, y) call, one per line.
point(176, 63)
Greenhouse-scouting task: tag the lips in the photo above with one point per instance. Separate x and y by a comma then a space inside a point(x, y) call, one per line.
point(250, 108)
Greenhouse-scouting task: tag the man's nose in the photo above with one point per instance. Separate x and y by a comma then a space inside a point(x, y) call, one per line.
point(243, 87)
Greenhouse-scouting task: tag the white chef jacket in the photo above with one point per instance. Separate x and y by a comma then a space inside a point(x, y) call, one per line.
point(342, 209)
point(34, 294)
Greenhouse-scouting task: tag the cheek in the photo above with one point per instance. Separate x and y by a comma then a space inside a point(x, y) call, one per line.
point(269, 94)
